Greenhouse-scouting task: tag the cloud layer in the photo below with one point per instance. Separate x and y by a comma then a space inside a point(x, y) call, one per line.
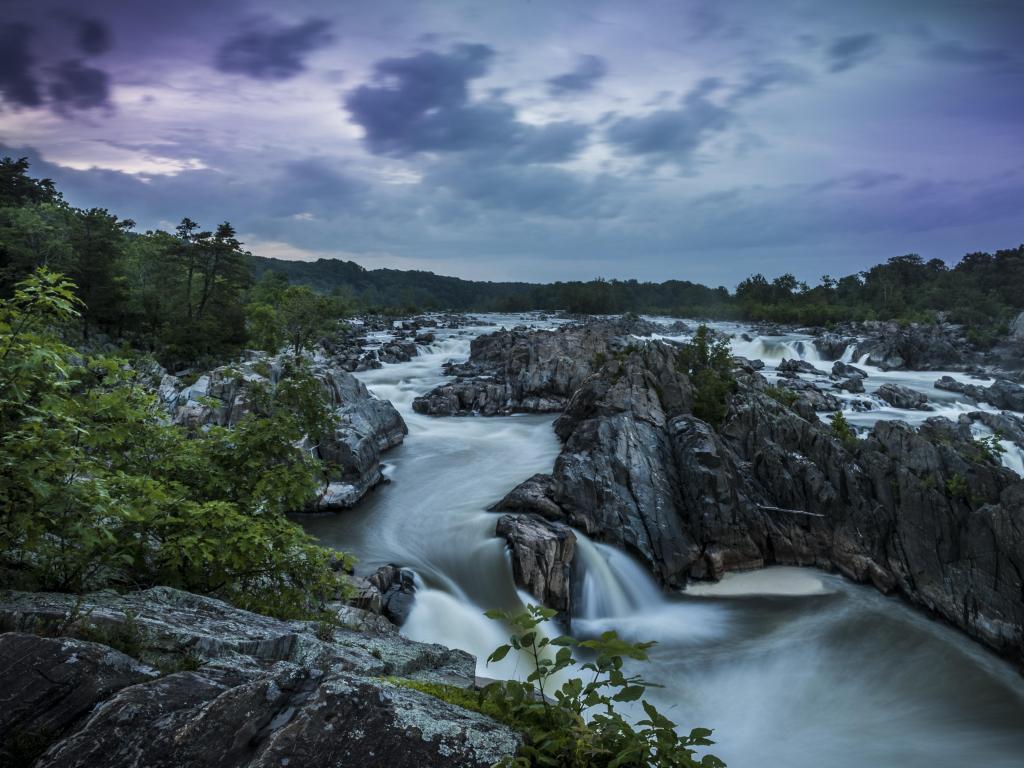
point(681, 139)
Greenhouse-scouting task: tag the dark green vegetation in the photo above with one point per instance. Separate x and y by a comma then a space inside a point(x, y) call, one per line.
point(707, 360)
point(578, 724)
point(98, 490)
point(195, 296)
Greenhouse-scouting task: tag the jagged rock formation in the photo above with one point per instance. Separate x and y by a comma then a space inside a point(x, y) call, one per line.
point(902, 397)
point(389, 591)
point(542, 555)
point(524, 371)
point(923, 513)
point(366, 426)
point(233, 688)
point(1002, 394)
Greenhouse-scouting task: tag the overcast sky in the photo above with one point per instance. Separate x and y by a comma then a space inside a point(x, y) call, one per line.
point(535, 139)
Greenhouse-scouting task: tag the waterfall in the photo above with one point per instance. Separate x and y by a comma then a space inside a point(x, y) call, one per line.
point(614, 585)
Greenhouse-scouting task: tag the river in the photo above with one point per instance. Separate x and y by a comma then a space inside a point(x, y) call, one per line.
point(790, 667)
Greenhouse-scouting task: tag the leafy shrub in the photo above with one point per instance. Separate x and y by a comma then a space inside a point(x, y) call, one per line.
point(96, 489)
point(707, 360)
point(577, 724)
point(958, 488)
point(843, 432)
point(989, 448)
point(786, 397)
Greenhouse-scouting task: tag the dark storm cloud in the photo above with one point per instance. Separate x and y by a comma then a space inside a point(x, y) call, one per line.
point(273, 53)
point(18, 82)
point(421, 103)
point(850, 50)
point(673, 134)
point(94, 36)
point(77, 86)
point(588, 71)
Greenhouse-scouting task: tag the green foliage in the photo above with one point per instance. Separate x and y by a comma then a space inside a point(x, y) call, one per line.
point(578, 724)
point(786, 397)
point(989, 448)
point(96, 489)
point(843, 432)
point(958, 487)
point(707, 360)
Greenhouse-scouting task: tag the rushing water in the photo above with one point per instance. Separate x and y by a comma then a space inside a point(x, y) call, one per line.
point(790, 667)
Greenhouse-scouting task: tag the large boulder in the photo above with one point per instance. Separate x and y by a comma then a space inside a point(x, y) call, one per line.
point(902, 397)
point(238, 689)
point(529, 371)
point(542, 557)
point(366, 427)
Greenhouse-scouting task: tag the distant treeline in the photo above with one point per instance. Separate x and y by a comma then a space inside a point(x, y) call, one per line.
point(196, 295)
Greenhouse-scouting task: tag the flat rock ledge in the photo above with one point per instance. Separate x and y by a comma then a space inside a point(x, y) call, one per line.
point(197, 682)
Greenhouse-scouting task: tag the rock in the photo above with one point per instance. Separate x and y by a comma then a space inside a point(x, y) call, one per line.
point(50, 684)
point(812, 399)
point(902, 397)
point(854, 384)
point(832, 346)
point(255, 691)
point(890, 346)
point(366, 426)
point(845, 370)
point(794, 367)
point(397, 589)
point(950, 384)
point(1017, 328)
point(772, 484)
point(1006, 395)
point(542, 556)
point(529, 371)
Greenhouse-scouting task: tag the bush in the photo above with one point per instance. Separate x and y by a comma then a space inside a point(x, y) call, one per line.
point(578, 725)
point(707, 360)
point(96, 489)
point(843, 432)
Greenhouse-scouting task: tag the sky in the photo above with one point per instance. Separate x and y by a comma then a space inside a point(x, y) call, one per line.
point(535, 139)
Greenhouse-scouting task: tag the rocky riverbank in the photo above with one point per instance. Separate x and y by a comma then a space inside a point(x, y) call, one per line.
point(167, 678)
point(927, 513)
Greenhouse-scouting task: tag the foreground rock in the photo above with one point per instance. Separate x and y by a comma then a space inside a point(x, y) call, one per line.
point(901, 397)
point(922, 513)
point(237, 689)
point(524, 371)
point(366, 426)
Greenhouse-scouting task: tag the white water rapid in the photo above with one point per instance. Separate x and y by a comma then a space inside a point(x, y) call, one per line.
point(790, 667)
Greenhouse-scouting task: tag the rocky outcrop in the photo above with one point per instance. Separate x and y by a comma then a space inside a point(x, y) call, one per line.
point(351, 452)
point(923, 513)
point(793, 367)
point(234, 689)
point(916, 346)
point(1003, 394)
point(524, 371)
point(542, 556)
point(50, 684)
point(388, 591)
point(902, 397)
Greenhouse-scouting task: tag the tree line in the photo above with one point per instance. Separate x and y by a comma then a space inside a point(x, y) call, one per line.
point(196, 295)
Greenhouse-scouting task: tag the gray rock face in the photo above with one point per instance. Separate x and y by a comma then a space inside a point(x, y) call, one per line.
point(793, 367)
point(922, 513)
point(1003, 394)
point(844, 370)
point(902, 397)
point(50, 684)
point(523, 371)
point(854, 384)
point(542, 556)
point(352, 453)
point(396, 589)
point(915, 347)
point(832, 345)
point(261, 692)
